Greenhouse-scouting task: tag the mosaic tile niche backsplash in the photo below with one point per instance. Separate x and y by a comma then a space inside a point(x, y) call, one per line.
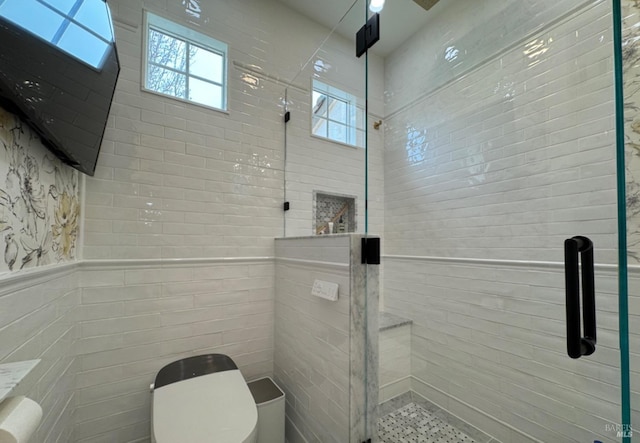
point(39, 206)
point(328, 207)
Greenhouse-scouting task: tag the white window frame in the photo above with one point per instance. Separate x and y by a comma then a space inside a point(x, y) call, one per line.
point(180, 32)
point(352, 122)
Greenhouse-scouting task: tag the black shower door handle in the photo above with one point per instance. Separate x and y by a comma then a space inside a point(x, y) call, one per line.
point(577, 345)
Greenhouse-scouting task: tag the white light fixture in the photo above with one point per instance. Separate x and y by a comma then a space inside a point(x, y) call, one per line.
point(376, 5)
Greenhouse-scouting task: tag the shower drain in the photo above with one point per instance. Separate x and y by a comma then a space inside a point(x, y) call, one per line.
point(414, 424)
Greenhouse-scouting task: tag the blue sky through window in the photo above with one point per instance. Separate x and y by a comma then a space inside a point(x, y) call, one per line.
point(93, 15)
point(81, 28)
point(63, 6)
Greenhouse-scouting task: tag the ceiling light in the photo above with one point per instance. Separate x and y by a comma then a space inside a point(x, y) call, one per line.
point(376, 5)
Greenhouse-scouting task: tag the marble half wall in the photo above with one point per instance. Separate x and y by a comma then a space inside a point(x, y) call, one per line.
point(39, 200)
point(326, 352)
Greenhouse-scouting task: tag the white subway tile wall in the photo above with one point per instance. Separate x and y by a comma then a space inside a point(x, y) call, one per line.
point(494, 337)
point(327, 167)
point(509, 157)
point(134, 320)
point(505, 163)
point(312, 354)
point(465, 35)
point(37, 321)
point(179, 180)
point(515, 156)
point(176, 180)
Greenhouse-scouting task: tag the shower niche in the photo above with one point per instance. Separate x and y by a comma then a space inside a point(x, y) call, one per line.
point(338, 209)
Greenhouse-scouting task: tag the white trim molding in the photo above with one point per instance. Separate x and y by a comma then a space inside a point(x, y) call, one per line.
point(633, 269)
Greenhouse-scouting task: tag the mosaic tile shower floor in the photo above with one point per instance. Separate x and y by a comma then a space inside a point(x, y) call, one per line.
point(414, 424)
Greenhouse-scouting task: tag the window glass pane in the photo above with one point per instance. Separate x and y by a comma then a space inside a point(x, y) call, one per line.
point(206, 64)
point(83, 45)
point(337, 132)
point(179, 63)
point(338, 110)
point(167, 51)
point(63, 6)
point(343, 120)
point(32, 16)
point(319, 127)
point(319, 104)
point(166, 81)
point(205, 93)
point(93, 14)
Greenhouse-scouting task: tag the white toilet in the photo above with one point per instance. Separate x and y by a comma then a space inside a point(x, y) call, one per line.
point(202, 399)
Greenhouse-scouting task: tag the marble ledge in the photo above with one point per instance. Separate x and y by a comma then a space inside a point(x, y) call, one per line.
point(390, 321)
point(11, 374)
point(300, 237)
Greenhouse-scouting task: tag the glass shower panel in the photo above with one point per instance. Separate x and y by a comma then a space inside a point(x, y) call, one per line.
point(499, 150)
point(324, 193)
point(626, 20)
point(325, 134)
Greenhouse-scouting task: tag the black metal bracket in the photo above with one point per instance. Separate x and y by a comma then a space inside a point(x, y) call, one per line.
point(285, 206)
point(287, 116)
point(370, 251)
point(368, 35)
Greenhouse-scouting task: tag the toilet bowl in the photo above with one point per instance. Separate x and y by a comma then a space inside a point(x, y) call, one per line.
point(202, 399)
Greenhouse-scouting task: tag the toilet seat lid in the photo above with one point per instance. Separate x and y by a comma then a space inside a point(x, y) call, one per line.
point(216, 407)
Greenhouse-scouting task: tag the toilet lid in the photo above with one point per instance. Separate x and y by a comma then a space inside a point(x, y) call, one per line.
point(216, 408)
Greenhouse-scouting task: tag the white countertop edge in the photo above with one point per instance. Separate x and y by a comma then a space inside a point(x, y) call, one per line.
point(12, 374)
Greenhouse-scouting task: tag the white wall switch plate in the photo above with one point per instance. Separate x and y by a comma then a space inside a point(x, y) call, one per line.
point(325, 289)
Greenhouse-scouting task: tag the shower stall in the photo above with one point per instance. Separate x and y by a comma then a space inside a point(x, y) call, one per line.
point(495, 153)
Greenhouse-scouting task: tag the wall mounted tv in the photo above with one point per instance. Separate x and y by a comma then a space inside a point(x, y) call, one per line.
point(58, 70)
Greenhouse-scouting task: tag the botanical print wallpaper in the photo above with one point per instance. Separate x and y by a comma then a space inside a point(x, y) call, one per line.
point(39, 208)
point(631, 77)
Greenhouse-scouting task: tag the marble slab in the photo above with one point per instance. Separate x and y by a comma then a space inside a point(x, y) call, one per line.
point(298, 237)
point(364, 387)
point(11, 374)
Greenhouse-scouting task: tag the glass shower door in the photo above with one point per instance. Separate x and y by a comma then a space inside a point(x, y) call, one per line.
point(500, 171)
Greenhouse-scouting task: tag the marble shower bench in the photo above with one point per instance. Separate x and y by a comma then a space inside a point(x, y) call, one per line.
point(395, 355)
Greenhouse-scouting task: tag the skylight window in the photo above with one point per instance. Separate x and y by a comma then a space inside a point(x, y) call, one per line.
point(81, 28)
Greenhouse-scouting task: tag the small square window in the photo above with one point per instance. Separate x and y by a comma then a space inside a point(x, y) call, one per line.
point(335, 116)
point(184, 64)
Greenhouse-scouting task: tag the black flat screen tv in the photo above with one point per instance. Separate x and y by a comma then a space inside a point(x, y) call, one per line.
point(58, 71)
